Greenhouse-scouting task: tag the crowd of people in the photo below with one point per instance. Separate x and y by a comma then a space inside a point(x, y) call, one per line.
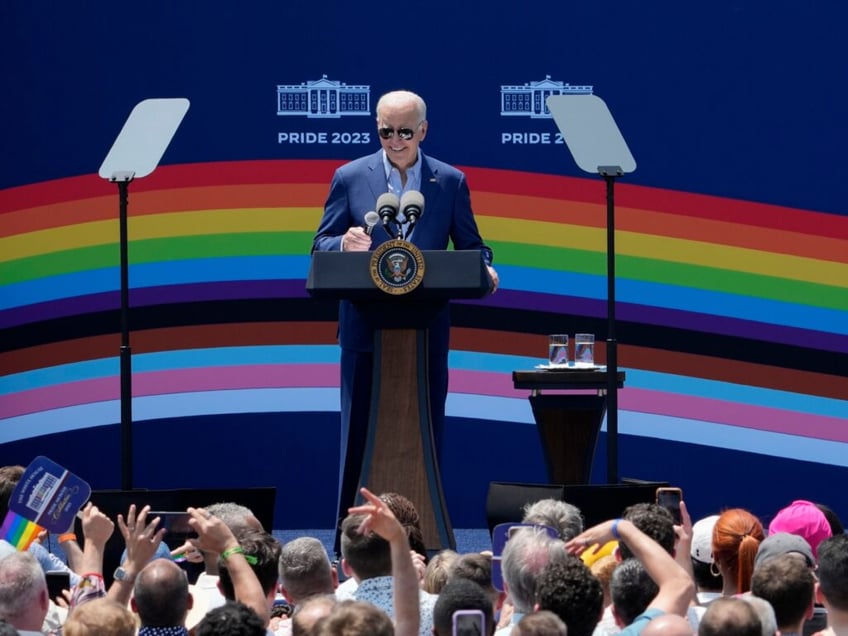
point(640, 573)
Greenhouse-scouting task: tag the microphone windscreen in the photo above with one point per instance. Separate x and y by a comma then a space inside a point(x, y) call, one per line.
point(412, 199)
point(387, 203)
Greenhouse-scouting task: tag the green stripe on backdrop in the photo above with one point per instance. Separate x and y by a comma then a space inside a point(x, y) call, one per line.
point(732, 282)
point(156, 250)
point(669, 273)
point(550, 258)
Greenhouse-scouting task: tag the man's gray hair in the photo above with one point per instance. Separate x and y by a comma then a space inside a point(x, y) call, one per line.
point(397, 98)
point(305, 569)
point(235, 516)
point(22, 581)
point(526, 553)
point(563, 517)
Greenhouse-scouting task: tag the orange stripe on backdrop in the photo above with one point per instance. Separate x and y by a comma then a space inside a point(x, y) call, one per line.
point(169, 339)
point(537, 208)
point(63, 352)
point(172, 177)
point(592, 190)
point(676, 225)
point(735, 371)
point(662, 361)
point(235, 335)
point(161, 201)
point(726, 233)
point(504, 342)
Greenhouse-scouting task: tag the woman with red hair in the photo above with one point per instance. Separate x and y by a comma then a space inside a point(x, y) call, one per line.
point(736, 537)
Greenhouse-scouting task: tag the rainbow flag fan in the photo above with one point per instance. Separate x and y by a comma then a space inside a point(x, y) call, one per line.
point(19, 531)
point(47, 497)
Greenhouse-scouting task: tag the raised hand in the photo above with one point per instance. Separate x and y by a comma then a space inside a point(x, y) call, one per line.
point(379, 517)
point(141, 538)
point(213, 535)
point(96, 526)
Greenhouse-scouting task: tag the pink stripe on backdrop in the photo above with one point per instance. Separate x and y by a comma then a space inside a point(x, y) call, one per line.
point(173, 381)
point(761, 418)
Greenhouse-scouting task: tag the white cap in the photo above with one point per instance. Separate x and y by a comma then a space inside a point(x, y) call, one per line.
point(702, 539)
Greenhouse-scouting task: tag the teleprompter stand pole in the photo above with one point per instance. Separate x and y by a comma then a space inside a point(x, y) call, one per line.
point(610, 173)
point(123, 180)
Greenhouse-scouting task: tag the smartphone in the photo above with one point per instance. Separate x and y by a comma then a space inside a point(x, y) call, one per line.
point(670, 498)
point(468, 623)
point(57, 580)
point(175, 523)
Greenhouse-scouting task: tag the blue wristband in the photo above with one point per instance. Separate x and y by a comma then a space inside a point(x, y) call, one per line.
point(614, 529)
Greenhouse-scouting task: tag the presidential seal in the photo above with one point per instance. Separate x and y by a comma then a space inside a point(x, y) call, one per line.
point(397, 267)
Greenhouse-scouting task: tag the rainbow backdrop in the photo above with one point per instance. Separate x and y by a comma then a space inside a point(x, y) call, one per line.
point(733, 316)
point(19, 531)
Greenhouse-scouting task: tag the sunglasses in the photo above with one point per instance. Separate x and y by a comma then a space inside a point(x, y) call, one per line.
point(404, 133)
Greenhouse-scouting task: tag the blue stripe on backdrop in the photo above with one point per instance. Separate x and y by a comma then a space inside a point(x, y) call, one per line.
point(738, 393)
point(62, 286)
point(494, 362)
point(182, 405)
point(167, 360)
point(198, 270)
point(675, 297)
point(749, 440)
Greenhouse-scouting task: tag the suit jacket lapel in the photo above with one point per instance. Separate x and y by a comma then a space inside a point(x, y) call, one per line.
point(377, 175)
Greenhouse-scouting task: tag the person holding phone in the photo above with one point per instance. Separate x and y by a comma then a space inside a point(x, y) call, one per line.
point(463, 609)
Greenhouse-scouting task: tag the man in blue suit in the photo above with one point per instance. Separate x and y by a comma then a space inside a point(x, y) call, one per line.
point(398, 167)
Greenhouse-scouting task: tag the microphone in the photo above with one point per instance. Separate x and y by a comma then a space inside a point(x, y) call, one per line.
point(412, 207)
point(387, 207)
point(371, 219)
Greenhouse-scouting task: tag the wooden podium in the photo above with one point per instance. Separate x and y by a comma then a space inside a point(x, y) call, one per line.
point(568, 424)
point(400, 455)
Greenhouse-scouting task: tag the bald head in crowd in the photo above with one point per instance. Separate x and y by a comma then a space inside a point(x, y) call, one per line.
point(668, 625)
point(730, 616)
point(160, 595)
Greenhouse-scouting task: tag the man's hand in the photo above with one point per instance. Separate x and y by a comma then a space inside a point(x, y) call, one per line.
point(494, 276)
point(379, 517)
point(141, 538)
point(96, 526)
point(356, 240)
point(420, 566)
point(595, 538)
point(213, 535)
point(187, 552)
point(684, 530)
